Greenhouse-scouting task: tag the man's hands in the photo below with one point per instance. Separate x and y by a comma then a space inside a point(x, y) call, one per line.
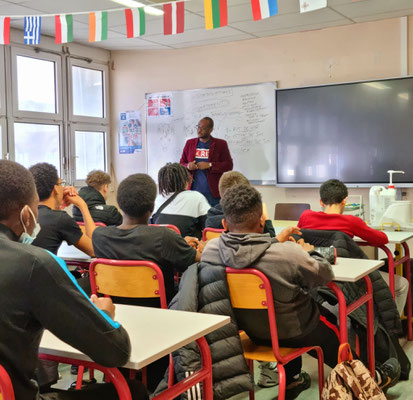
point(192, 166)
point(203, 165)
point(104, 304)
point(286, 233)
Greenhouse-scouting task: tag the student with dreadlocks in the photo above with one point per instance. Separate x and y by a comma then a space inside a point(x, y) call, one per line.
point(186, 209)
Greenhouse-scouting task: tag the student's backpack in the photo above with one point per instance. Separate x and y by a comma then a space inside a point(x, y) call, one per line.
point(351, 380)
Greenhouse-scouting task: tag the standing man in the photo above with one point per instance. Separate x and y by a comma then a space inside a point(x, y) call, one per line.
point(207, 158)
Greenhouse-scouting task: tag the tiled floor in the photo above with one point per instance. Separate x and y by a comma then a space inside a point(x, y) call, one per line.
point(402, 391)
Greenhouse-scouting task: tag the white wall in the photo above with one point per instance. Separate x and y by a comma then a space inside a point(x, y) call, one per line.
point(353, 52)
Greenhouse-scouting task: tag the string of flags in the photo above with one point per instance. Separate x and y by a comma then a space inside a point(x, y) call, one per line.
point(215, 11)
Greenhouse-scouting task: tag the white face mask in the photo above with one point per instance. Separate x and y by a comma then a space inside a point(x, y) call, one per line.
point(25, 237)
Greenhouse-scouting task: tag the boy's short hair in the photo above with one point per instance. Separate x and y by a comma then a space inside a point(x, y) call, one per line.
point(242, 205)
point(17, 188)
point(45, 177)
point(97, 178)
point(136, 195)
point(333, 191)
point(229, 179)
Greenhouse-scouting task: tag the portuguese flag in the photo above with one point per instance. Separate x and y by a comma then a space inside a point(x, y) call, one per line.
point(64, 28)
point(216, 13)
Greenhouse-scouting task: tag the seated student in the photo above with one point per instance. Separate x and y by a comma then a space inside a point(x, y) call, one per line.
point(215, 214)
point(39, 293)
point(333, 196)
point(95, 195)
point(292, 272)
point(186, 209)
point(135, 240)
point(57, 225)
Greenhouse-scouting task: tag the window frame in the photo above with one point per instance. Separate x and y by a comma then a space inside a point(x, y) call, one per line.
point(106, 142)
point(74, 62)
point(40, 55)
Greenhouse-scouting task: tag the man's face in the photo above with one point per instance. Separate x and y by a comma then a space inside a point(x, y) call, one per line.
point(204, 129)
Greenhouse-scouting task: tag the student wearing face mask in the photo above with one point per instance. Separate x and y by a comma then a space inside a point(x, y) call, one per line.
point(39, 293)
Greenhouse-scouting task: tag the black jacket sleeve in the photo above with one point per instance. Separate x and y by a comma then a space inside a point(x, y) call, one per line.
point(62, 307)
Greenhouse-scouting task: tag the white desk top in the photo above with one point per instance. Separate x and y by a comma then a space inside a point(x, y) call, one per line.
point(153, 332)
point(353, 269)
point(72, 253)
point(394, 237)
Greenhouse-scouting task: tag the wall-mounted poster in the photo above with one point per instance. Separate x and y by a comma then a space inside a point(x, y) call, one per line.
point(130, 132)
point(159, 105)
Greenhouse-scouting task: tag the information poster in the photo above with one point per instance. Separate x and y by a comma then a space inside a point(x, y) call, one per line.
point(159, 105)
point(130, 132)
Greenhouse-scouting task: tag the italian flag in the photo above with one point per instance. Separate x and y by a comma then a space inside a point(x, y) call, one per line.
point(64, 28)
point(263, 9)
point(173, 18)
point(216, 13)
point(4, 30)
point(98, 26)
point(135, 22)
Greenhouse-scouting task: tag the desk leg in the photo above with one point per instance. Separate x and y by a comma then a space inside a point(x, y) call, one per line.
point(390, 262)
point(342, 312)
point(370, 325)
point(407, 274)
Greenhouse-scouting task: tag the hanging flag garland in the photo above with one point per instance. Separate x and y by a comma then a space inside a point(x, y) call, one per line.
point(135, 22)
point(216, 13)
point(173, 18)
point(32, 27)
point(64, 28)
point(263, 9)
point(216, 16)
point(4, 30)
point(98, 26)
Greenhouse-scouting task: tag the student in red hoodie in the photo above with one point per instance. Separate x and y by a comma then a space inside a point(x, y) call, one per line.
point(333, 196)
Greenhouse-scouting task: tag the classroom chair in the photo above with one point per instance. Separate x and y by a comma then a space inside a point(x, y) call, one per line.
point(211, 233)
point(169, 226)
point(290, 211)
point(251, 289)
point(6, 387)
point(129, 278)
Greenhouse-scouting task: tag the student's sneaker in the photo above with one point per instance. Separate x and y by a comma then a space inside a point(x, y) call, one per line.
point(268, 375)
point(389, 373)
point(294, 389)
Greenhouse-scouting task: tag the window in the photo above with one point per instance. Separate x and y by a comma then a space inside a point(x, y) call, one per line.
point(35, 143)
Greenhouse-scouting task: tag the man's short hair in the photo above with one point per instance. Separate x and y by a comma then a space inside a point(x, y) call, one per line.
point(97, 178)
point(45, 177)
point(136, 195)
point(333, 191)
point(229, 179)
point(173, 178)
point(210, 120)
point(242, 205)
point(16, 188)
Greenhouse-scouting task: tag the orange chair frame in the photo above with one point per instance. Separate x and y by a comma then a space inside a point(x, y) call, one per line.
point(6, 387)
point(251, 289)
point(211, 233)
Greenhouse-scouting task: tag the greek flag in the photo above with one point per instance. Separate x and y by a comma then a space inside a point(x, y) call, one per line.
point(32, 27)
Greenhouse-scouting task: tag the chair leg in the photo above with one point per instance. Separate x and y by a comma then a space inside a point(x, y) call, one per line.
point(144, 377)
point(91, 373)
point(80, 371)
point(320, 360)
point(171, 371)
point(281, 381)
point(250, 364)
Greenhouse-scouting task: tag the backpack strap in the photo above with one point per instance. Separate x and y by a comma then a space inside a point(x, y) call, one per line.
point(163, 206)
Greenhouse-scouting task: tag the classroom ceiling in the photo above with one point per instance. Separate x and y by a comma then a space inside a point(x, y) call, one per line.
point(240, 23)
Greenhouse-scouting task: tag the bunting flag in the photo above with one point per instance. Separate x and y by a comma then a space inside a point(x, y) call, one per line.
point(311, 5)
point(216, 13)
point(263, 9)
point(98, 26)
point(32, 27)
point(135, 22)
point(173, 18)
point(4, 30)
point(64, 28)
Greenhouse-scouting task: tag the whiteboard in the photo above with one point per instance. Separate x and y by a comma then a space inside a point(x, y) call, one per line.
point(243, 115)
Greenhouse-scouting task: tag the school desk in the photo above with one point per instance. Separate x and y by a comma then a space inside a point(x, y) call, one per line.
point(153, 333)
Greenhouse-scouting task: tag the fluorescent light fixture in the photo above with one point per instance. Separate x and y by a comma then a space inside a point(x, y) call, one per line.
point(376, 85)
point(133, 4)
point(404, 96)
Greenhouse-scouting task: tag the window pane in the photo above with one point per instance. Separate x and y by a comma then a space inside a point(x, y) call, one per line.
point(90, 152)
point(37, 143)
point(87, 92)
point(36, 85)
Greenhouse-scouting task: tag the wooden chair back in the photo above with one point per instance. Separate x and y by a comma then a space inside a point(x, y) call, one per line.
point(211, 233)
point(127, 278)
point(290, 211)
